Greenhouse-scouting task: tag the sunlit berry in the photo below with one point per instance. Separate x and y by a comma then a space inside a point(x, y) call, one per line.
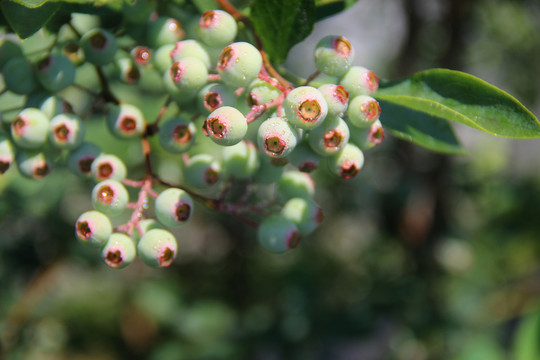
point(336, 97)
point(363, 111)
point(333, 55)
point(177, 135)
point(55, 105)
point(173, 207)
point(7, 153)
point(93, 228)
point(366, 138)
point(226, 126)
point(359, 81)
point(190, 49)
point(276, 137)
point(110, 197)
point(277, 234)
point(215, 95)
point(162, 58)
point(66, 131)
point(33, 164)
point(119, 251)
point(347, 163)
point(99, 46)
point(108, 166)
point(330, 137)
point(157, 248)
point(125, 121)
point(239, 64)
point(217, 28)
point(305, 107)
point(295, 183)
point(202, 171)
point(30, 128)
point(189, 75)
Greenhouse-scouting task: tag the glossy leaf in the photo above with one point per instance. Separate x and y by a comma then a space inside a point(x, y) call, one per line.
point(463, 98)
point(282, 24)
point(429, 131)
point(26, 21)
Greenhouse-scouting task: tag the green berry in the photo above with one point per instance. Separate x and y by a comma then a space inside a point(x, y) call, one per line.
point(108, 166)
point(19, 76)
point(164, 31)
point(99, 46)
point(33, 164)
point(240, 160)
point(304, 213)
point(268, 172)
point(276, 137)
point(126, 121)
point(9, 49)
point(73, 52)
point(55, 105)
point(295, 183)
point(66, 131)
point(110, 197)
point(305, 107)
point(55, 72)
point(190, 49)
point(177, 135)
point(260, 92)
point(363, 111)
point(189, 75)
point(143, 227)
point(119, 251)
point(79, 161)
point(202, 171)
point(239, 64)
point(330, 137)
point(30, 128)
point(141, 55)
point(278, 234)
point(217, 28)
point(93, 228)
point(226, 126)
point(7, 153)
point(347, 162)
point(173, 207)
point(215, 95)
point(304, 158)
point(162, 59)
point(367, 138)
point(157, 248)
point(333, 55)
point(128, 71)
point(336, 97)
point(359, 81)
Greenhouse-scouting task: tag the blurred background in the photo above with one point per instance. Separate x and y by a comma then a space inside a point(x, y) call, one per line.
point(421, 256)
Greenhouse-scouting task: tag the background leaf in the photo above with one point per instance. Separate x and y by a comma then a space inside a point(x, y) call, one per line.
point(327, 8)
point(527, 340)
point(282, 24)
point(26, 21)
point(431, 132)
point(464, 98)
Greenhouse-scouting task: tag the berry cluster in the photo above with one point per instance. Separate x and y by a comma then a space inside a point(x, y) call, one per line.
point(268, 131)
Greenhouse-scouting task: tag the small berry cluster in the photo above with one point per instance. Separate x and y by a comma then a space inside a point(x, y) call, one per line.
point(268, 132)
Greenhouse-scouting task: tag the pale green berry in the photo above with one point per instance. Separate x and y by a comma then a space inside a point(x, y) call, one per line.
point(276, 137)
point(93, 228)
point(241, 160)
point(108, 166)
point(128, 71)
point(306, 215)
point(55, 105)
point(190, 49)
point(215, 95)
point(119, 251)
point(202, 171)
point(366, 138)
point(336, 97)
point(359, 81)
point(177, 135)
point(173, 207)
point(278, 234)
point(162, 59)
point(126, 121)
point(226, 126)
point(347, 163)
point(295, 183)
point(305, 107)
point(333, 55)
point(33, 164)
point(79, 161)
point(330, 137)
point(110, 197)
point(363, 111)
point(217, 28)
point(164, 31)
point(189, 75)
point(66, 131)
point(157, 248)
point(99, 46)
point(143, 227)
point(7, 153)
point(239, 64)
point(30, 128)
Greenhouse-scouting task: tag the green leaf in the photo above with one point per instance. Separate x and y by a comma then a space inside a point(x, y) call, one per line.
point(26, 21)
point(282, 24)
point(37, 3)
point(460, 97)
point(327, 8)
point(527, 339)
point(431, 132)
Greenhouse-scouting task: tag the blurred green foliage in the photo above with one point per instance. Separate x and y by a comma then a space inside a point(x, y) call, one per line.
point(422, 256)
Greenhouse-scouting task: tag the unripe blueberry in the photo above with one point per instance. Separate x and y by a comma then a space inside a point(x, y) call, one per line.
point(278, 234)
point(108, 166)
point(128, 70)
point(110, 197)
point(276, 137)
point(125, 121)
point(66, 131)
point(215, 95)
point(30, 128)
point(260, 92)
point(217, 28)
point(55, 72)
point(334, 55)
point(9, 49)
point(162, 58)
point(202, 171)
point(144, 226)
point(173, 207)
point(157, 248)
point(119, 251)
point(7, 153)
point(304, 158)
point(54, 105)
point(93, 228)
point(99, 46)
point(190, 49)
point(268, 172)
point(367, 138)
point(239, 64)
point(363, 111)
point(79, 161)
point(305, 107)
point(336, 97)
point(73, 52)
point(330, 137)
point(138, 11)
point(141, 55)
point(19, 76)
point(347, 162)
point(163, 31)
point(241, 160)
point(359, 81)
point(306, 215)
point(32, 164)
point(177, 135)
point(189, 75)
point(226, 126)
point(295, 184)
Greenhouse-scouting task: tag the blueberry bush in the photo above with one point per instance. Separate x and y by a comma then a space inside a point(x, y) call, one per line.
point(173, 134)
